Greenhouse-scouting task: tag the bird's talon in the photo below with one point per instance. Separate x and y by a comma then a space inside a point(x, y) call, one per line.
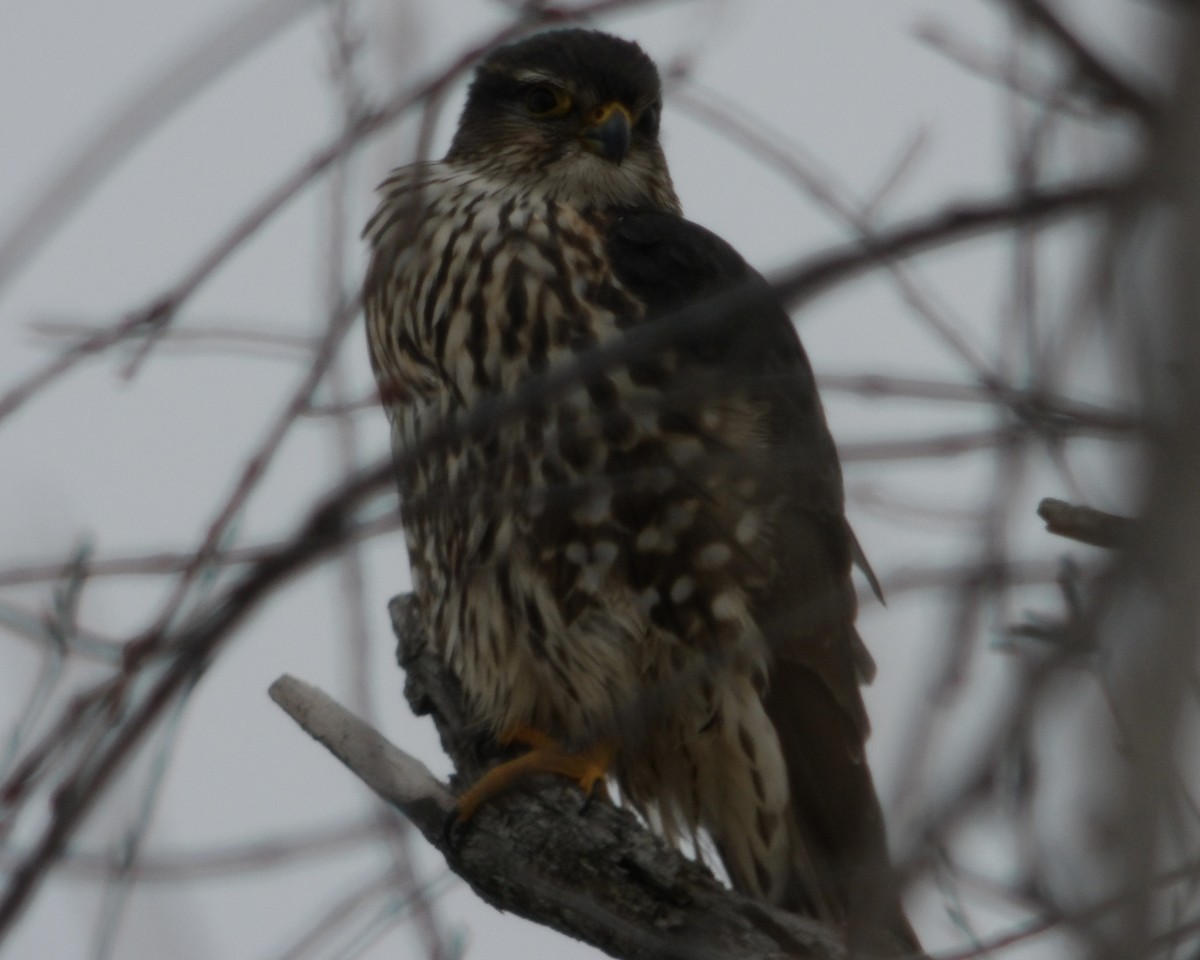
point(526, 737)
point(586, 768)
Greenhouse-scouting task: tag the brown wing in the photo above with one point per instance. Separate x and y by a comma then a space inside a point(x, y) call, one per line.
point(805, 603)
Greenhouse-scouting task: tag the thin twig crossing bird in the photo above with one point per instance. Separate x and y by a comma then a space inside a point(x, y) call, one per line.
point(648, 574)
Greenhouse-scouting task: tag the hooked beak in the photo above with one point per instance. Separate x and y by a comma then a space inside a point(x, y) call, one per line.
point(609, 133)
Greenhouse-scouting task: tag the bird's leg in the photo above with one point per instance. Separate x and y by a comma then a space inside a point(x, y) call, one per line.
point(526, 737)
point(585, 767)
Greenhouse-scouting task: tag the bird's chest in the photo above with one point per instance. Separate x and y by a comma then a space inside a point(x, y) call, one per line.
point(588, 524)
point(491, 292)
point(483, 299)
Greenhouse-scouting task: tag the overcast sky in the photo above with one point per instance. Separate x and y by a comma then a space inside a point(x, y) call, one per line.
point(142, 464)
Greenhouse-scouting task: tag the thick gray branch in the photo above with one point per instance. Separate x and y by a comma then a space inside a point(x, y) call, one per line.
point(592, 872)
point(393, 774)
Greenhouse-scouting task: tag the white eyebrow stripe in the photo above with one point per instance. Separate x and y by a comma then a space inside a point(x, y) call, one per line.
point(533, 76)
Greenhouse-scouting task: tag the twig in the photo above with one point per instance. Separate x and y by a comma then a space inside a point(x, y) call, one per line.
point(980, 62)
point(1085, 524)
point(1026, 930)
point(1111, 87)
point(251, 474)
point(950, 444)
point(200, 865)
point(235, 337)
point(341, 913)
point(953, 224)
point(390, 772)
point(346, 41)
point(191, 648)
point(168, 563)
point(1036, 406)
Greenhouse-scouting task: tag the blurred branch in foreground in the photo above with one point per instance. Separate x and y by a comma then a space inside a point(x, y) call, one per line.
point(595, 873)
point(1085, 524)
point(333, 522)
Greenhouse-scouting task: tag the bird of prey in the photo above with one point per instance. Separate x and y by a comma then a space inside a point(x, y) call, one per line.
point(623, 507)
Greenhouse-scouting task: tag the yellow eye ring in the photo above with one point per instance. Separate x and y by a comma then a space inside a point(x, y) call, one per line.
point(544, 100)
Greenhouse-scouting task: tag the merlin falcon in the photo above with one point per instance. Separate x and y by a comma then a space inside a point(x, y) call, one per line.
point(623, 507)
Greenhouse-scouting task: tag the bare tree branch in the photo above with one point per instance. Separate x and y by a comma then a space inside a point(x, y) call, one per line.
point(1085, 524)
point(1110, 87)
point(190, 649)
point(593, 873)
point(192, 866)
point(171, 562)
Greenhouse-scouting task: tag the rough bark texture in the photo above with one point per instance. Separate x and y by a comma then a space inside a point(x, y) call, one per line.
point(589, 870)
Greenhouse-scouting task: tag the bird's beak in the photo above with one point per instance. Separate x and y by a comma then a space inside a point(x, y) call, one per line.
point(609, 132)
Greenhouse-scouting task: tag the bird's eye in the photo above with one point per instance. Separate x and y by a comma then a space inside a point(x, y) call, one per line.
point(648, 122)
point(544, 100)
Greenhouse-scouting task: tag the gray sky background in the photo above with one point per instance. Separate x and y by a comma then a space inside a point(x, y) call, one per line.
point(142, 464)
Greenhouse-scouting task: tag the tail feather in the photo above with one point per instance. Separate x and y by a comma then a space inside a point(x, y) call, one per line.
point(744, 797)
point(781, 786)
point(836, 815)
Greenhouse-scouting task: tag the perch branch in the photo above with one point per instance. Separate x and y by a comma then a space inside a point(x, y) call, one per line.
point(592, 872)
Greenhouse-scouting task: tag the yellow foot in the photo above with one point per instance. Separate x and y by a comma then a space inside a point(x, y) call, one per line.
point(585, 767)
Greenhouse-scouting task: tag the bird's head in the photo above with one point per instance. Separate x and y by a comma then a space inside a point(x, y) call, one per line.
point(572, 114)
